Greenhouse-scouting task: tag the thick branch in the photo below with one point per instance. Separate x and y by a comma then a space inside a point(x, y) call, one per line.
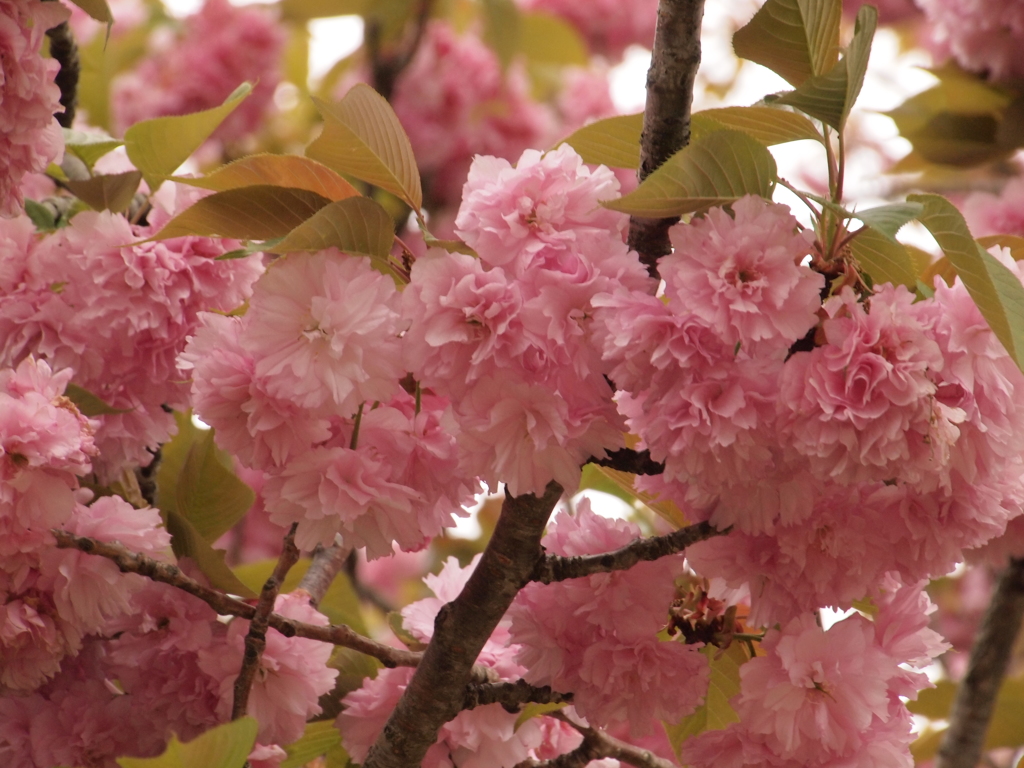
point(512, 696)
point(436, 692)
point(551, 568)
point(385, 69)
point(256, 638)
point(670, 79)
point(596, 745)
point(225, 605)
point(628, 460)
point(64, 50)
point(972, 709)
point(326, 565)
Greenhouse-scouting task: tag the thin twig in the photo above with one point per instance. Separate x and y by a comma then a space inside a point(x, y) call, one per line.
point(225, 605)
point(628, 460)
point(435, 693)
point(327, 563)
point(256, 638)
point(550, 568)
point(972, 709)
point(596, 745)
point(674, 62)
point(512, 696)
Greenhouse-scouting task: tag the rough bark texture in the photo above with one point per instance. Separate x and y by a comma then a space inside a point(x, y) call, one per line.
point(597, 745)
point(512, 696)
point(437, 690)
point(666, 130)
point(326, 565)
point(628, 460)
point(972, 709)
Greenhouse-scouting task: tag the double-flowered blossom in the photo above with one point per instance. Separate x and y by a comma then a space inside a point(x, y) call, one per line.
point(30, 138)
point(982, 35)
point(609, 27)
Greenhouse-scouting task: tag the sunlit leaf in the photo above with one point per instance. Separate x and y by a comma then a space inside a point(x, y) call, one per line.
point(317, 740)
point(89, 147)
point(357, 225)
point(225, 746)
point(547, 39)
point(613, 141)
point(621, 484)
point(279, 171)
point(186, 542)
point(889, 219)
point(934, 703)
point(502, 29)
point(259, 212)
point(716, 712)
point(1014, 243)
point(994, 288)
point(531, 710)
point(304, 10)
point(209, 494)
point(720, 168)
point(112, 192)
point(97, 9)
point(883, 258)
point(767, 125)
point(88, 403)
point(103, 59)
point(363, 138)
point(796, 39)
point(158, 146)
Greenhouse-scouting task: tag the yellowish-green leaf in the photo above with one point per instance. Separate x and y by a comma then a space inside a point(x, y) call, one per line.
point(830, 97)
point(889, 219)
point(1006, 728)
point(101, 61)
point(186, 542)
point(209, 494)
point(353, 669)
point(717, 169)
point(883, 258)
point(767, 125)
point(613, 141)
point(259, 212)
point(503, 29)
point(357, 225)
point(620, 484)
point(796, 39)
point(547, 39)
point(158, 146)
point(363, 138)
point(716, 712)
point(226, 746)
point(112, 193)
point(397, 626)
point(89, 147)
point(88, 403)
point(278, 171)
point(295, 61)
point(934, 703)
point(316, 741)
point(1014, 243)
point(97, 9)
point(337, 757)
point(926, 745)
point(532, 710)
point(994, 288)
point(304, 10)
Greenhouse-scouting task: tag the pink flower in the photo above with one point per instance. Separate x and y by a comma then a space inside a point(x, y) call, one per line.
point(608, 26)
point(1002, 214)
point(30, 138)
point(982, 35)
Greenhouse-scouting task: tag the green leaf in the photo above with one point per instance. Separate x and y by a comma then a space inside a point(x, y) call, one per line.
point(158, 146)
point(994, 288)
point(207, 493)
point(883, 258)
point(796, 39)
point(503, 29)
point(397, 626)
point(278, 171)
point(889, 219)
point(97, 9)
point(102, 60)
point(89, 147)
point(88, 404)
point(112, 193)
point(716, 712)
point(531, 710)
point(357, 225)
point(186, 542)
point(316, 741)
point(226, 746)
point(363, 138)
point(620, 484)
point(44, 218)
point(613, 141)
point(934, 703)
point(767, 125)
point(830, 97)
point(353, 670)
point(547, 39)
point(718, 169)
point(304, 10)
point(1005, 727)
point(259, 212)
point(1014, 243)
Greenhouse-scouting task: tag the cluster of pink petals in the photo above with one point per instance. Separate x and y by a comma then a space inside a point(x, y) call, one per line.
point(220, 47)
point(982, 35)
point(608, 26)
point(597, 636)
point(990, 214)
point(30, 138)
point(116, 314)
point(507, 337)
point(828, 698)
point(454, 101)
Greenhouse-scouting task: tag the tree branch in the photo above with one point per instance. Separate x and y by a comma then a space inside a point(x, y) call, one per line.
point(384, 70)
point(972, 709)
point(670, 79)
point(225, 605)
point(511, 696)
point(256, 639)
point(596, 745)
point(64, 50)
point(436, 692)
point(551, 568)
point(628, 460)
point(326, 565)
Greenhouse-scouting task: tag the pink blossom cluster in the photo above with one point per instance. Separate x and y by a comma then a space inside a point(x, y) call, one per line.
point(597, 636)
point(30, 138)
point(982, 35)
point(51, 598)
point(117, 314)
point(829, 697)
point(305, 387)
point(218, 49)
point(996, 214)
point(608, 26)
point(507, 336)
